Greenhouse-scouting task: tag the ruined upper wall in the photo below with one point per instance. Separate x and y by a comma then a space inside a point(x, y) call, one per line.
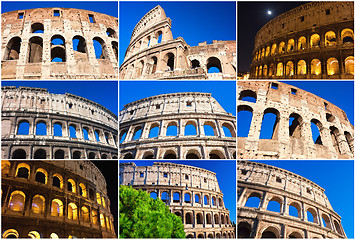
point(177, 175)
point(314, 14)
point(174, 103)
point(40, 100)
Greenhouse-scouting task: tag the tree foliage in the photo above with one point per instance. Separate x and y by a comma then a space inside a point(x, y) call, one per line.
point(144, 217)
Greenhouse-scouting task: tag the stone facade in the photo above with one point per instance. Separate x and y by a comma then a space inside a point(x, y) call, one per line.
point(191, 193)
point(270, 183)
point(147, 58)
point(54, 199)
point(32, 38)
point(292, 141)
point(67, 112)
point(315, 40)
point(176, 110)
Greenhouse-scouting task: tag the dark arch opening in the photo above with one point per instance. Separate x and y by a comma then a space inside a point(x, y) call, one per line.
point(37, 28)
point(13, 49)
point(59, 154)
point(35, 50)
point(76, 155)
point(213, 62)
point(40, 154)
point(91, 155)
point(192, 156)
point(19, 154)
point(195, 64)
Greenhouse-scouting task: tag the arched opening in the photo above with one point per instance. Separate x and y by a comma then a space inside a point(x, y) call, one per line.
point(281, 48)
point(37, 28)
point(59, 154)
point(57, 130)
point(34, 235)
point(209, 129)
point(213, 65)
point(72, 211)
point(270, 123)
point(170, 154)
point(85, 214)
point(17, 201)
point(349, 65)
point(176, 197)
point(334, 133)
point(349, 140)
point(229, 130)
point(139, 69)
point(315, 41)
point(111, 33)
point(302, 43)
point(337, 227)
point(312, 215)
point(265, 71)
point(58, 54)
point(253, 200)
point(192, 155)
point(215, 154)
point(294, 210)
point(40, 154)
point(128, 156)
point(274, 49)
point(57, 181)
point(330, 38)
point(326, 221)
point(197, 198)
point(347, 36)
point(267, 51)
point(187, 198)
point(12, 51)
point(274, 205)
point(169, 60)
point(54, 236)
point(195, 64)
point(23, 171)
point(208, 218)
point(302, 67)
point(188, 218)
point(77, 155)
point(216, 219)
point(290, 45)
point(83, 190)
point(263, 53)
point(71, 186)
point(57, 208)
point(154, 131)
point(80, 48)
point(165, 197)
point(295, 125)
point(35, 50)
point(94, 217)
point(19, 154)
point(153, 195)
point(72, 131)
point(41, 128)
point(190, 129)
point(199, 218)
point(270, 232)
point(279, 69)
point(315, 128)
point(315, 67)
point(271, 71)
point(332, 66)
point(10, 233)
point(295, 235)
point(206, 200)
point(41, 176)
point(152, 65)
point(97, 135)
point(91, 155)
point(172, 129)
point(290, 68)
point(248, 96)
point(137, 133)
point(100, 48)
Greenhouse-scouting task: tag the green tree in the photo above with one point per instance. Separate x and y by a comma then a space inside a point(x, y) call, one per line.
point(144, 217)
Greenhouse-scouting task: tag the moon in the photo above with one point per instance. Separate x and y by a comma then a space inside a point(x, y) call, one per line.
point(269, 12)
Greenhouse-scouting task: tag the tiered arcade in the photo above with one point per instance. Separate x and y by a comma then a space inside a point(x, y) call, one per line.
point(294, 111)
point(39, 125)
point(296, 196)
point(315, 40)
point(191, 193)
point(170, 116)
point(54, 199)
point(58, 43)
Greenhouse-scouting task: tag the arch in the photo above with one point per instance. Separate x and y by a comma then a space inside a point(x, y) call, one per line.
point(41, 176)
point(102, 221)
point(213, 64)
point(279, 69)
point(229, 130)
point(148, 155)
point(57, 208)
point(302, 67)
point(199, 218)
point(13, 47)
point(5, 167)
point(176, 197)
point(290, 45)
point(208, 218)
point(100, 48)
point(315, 67)
point(41, 128)
point(330, 38)
point(23, 128)
point(35, 50)
point(302, 43)
point(97, 135)
point(72, 211)
point(38, 204)
point(190, 129)
point(274, 49)
point(281, 47)
point(270, 232)
point(154, 130)
point(294, 210)
point(312, 215)
point(80, 48)
point(187, 198)
point(192, 154)
point(170, 154)
point(315, 127)
point(188, 218)
point(82, 190)
point(263, 53)
point(94, 217)
point(111, 33)
point(54, 236)
point(222, 219)
point(315, 41)
point(216, 219)
point(295, 235)
point(139, 69)
point(57, 181)
point(271, 71)
point(85, 214)
point(128, 156)
point(243, 230)
point(253, 200)
point(72, 131)
point(40, 154)
point(57, 130)
point(71, 187)
point(137, 133)
point(23, 171)
point(10, 233)
point(270, 124)
point(172, 129)
point(265, 71)
point(98, 198)
point(349, 65)
point(197, 198)
point(169, 60)
point(59, 154)
point(267, 51)
point(326, 221)
point(347, 36)
point(248, 96)
point(334, 133)
point(289, 68)
point(275, 205)
point(152, 65)
point(165, 197)
point(17, 201)
point(349, 140)
point(337, 227)
point(216, 154)
point(206, 200)
point(91, 155)
point(37, 28)
point(58, 54)
point(77, 155)
point(153, 195)
point(34, 235)
point(295, 125)
point(195, 64)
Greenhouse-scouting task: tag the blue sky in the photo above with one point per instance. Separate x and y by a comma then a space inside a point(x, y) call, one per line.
point(339, 93)
point(194, 21)
point(106, 7)
point(102, 92)
point(336, 177)
point(223, 91)
point(225, 173)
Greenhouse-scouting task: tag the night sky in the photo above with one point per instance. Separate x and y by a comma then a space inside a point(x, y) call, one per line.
point(109, 168)
point(252, 16)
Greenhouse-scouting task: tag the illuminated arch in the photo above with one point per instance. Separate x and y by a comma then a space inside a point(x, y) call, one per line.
point(85, 214)
point(332, 66)
point(347, 36)
point(82, 190)
point(71, 186)
point(38, 204)
point(281, 48)
point(330, 38)
point(21, 170)
point(315, 67)
point(302, 43)
point(72, 211)
point(273, 49)
point(34, 235)
point(17, 201)
point(279, 69)
point(289, 68)
point(290, 45)
point(10, 233)
point(302, 67)
point(57, 208)
point(57, 180)
point(315, 41)
point(38, 175)
point(349, 65)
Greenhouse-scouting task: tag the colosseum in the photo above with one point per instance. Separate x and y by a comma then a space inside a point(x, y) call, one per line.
point(172, 126)
point(58, 43)
point(54, 199)
point(314, 40)
point(39, 125)
point(295, 111)
point(154, 54)
point(312, 217)
point(191, 193)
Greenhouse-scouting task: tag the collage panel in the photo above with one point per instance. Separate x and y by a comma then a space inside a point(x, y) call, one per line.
point(177, 120)
point(157, 41)
point(59, 199)
point(59, 40)
point(59, 120)
point(295, 199)
point(296, 40)
point(198, 196)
